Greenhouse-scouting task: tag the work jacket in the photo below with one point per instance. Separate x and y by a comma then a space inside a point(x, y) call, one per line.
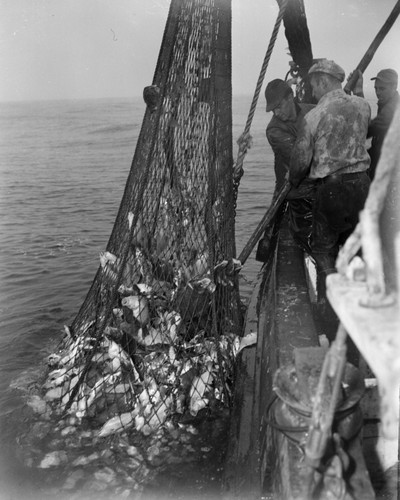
point(379, 127)
point(332, 138)
point(282, 135)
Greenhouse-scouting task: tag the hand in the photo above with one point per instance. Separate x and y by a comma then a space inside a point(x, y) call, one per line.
point(293, 81)
point(358, 85)
point(245, 141)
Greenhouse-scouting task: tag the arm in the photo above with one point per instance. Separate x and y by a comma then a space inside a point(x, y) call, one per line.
point(380, 124)
point(358, 84)
point(281, 143)
point(302, 154)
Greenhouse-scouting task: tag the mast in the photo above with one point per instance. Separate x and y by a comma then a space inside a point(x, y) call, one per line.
point(298, 37)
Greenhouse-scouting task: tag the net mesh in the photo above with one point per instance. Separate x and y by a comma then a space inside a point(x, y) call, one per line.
point(155, 338)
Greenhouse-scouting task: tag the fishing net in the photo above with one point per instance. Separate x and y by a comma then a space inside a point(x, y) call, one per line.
point(154, 340)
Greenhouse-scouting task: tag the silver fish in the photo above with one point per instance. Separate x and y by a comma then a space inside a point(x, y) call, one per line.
point(200, 386)
point(139, 307)
point(106, 258)
point(118, 423)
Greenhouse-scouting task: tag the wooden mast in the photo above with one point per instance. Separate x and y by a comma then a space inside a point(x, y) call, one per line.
point(298, 37)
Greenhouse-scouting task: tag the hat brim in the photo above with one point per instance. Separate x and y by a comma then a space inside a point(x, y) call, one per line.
point(384, 80)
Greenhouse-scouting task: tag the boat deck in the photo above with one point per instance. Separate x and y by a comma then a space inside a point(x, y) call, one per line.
point(261, 461)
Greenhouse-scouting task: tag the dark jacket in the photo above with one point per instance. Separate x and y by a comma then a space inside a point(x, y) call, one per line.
point(282, 135)
point(378, 128)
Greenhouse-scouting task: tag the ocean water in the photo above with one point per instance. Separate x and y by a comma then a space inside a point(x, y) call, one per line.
point(63, 168)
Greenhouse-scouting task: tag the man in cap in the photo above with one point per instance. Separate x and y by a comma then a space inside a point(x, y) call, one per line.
point(281, 134)
point(331, 150)
point(388, 98)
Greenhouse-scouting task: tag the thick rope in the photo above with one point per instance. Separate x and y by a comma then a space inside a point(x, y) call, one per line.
point(243, 144)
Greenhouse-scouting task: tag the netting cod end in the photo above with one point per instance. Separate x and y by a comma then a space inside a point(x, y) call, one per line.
point(144, 368)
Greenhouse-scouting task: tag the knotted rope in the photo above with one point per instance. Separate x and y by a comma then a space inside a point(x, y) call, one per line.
point(243, 140)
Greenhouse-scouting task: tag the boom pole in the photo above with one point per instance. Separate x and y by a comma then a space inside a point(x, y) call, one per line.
point(367, 58)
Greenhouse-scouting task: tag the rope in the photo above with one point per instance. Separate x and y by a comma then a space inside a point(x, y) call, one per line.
point(238, 168)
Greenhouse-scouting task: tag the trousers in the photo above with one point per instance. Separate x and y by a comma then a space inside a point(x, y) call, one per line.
point(339, 199)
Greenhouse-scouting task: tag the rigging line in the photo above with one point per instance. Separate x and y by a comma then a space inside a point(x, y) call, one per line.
point(238, 168)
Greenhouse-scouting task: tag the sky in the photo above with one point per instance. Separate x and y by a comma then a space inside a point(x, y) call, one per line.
point(71, 49)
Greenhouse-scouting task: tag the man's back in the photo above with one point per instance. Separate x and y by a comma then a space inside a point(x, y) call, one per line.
point(337, 127)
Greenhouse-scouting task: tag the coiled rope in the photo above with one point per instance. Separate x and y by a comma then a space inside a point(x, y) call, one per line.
point(243, 140)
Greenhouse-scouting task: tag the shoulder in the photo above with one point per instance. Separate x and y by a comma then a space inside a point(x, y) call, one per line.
point(360, 101)
point(348, 105)
point(304, 109)
point(273, 122)
point(395, 99)
point(311, 114)
point(275, 126)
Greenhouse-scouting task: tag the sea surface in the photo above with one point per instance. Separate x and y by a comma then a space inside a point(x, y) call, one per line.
point(63, 168)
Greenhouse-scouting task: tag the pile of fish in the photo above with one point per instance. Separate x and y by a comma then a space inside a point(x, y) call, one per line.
point(123, 388)
point(143, 368)
point(75, 461)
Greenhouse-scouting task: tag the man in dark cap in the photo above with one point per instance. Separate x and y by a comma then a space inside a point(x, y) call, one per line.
point(388, 98)
point(282, 129)
point(281, 134)
point(331, 150)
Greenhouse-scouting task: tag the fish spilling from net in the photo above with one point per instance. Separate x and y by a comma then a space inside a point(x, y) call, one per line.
point(143, 368)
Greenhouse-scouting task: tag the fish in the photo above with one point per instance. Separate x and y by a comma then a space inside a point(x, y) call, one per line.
point(160, 414)
point(139, 422)
point(139, 307)
point(56, 378)
point(125, 290)
point(167, 323)
point(53, 459)
point(248, 340)
point(67, 331)
point(143, 288)
point(153, 337)
point(37, 404)
point(206, 284)
point(54, 393)
point(119, 358)
point(107, 257)
point(119, 423)
point(53, 359)
point(200, 266)
point(150, 395)
point(200, 386)
point(130, 219)
point(112, 333)
point(75, 351)
point(93, 394)
point(118, 313)
point(172, 321)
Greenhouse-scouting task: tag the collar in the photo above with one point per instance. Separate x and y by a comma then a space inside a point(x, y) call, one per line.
point(331, 94)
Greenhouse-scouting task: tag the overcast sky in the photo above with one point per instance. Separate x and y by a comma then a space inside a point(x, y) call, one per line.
point(52, 49)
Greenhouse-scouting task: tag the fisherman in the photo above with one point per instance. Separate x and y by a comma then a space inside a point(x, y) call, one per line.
point(388, 97)
point(281, 134)
point(331, 150)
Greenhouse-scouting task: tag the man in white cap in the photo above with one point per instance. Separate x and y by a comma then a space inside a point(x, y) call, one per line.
point(388, 98)
point(331, 149)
